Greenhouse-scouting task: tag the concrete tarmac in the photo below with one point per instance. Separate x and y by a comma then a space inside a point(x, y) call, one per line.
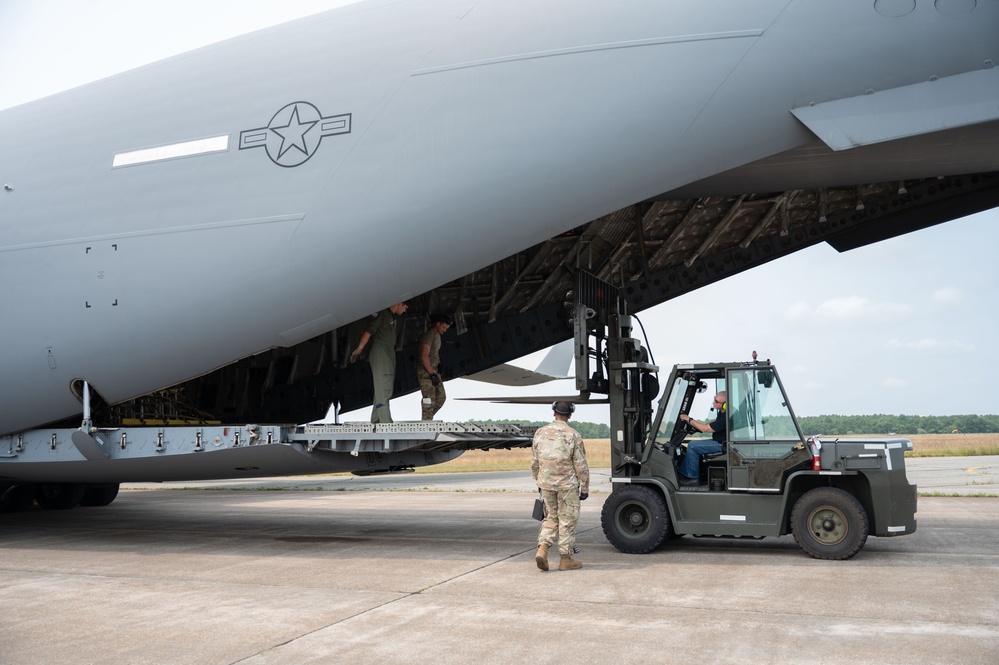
point(949, 476)
point(434, 575)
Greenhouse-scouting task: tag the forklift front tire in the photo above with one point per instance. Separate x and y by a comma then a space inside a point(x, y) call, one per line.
point(635, 519)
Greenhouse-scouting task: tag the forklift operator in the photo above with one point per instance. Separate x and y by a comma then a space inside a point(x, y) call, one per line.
point(690, 467)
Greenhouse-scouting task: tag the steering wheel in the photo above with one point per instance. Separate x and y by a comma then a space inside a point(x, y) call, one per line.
point(680, 432)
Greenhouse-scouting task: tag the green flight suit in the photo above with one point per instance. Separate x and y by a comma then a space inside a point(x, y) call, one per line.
point(381, 357)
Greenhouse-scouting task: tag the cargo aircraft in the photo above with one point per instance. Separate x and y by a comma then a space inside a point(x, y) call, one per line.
point(200, 240)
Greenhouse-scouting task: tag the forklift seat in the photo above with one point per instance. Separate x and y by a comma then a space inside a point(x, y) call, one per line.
point(712, 467)
point(715, 457)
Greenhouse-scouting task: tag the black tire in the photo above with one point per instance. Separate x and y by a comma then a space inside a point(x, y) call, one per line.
point(59, 496)
point(829, 523)
point(17, 498)
point(635, 519)
point(99, 495)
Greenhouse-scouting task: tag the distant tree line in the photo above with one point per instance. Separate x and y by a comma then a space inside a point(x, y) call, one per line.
point(586, 430)
point(878, 423)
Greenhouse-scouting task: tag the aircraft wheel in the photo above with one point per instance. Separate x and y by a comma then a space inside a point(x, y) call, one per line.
point(99, 495)
point(58, 496)
point(17, 498)
point(829, 523)
point(635, 519)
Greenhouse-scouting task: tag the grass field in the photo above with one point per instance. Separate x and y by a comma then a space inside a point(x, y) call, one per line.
point(598, 453)
point(953, 445)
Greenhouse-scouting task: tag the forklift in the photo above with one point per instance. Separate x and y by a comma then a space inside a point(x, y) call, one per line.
point(767, 480)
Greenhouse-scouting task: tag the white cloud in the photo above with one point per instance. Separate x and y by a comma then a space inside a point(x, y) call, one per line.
point(930, 345)
point(947, 296)
point(798, 311)
point(893, 382)
point(842, 309)
point(847, 309)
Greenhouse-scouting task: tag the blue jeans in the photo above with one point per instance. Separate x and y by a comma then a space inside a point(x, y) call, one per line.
point(690, 466)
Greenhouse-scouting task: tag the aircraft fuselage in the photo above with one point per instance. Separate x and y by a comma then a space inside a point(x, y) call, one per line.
point(167, 221)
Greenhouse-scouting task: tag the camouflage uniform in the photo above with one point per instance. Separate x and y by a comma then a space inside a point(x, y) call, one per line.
point(559, 467)
point(433, 396)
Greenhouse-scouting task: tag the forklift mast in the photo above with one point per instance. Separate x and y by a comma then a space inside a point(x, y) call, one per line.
point(609, 361)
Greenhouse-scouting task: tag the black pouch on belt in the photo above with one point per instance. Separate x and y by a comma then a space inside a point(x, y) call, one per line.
point(539, 510)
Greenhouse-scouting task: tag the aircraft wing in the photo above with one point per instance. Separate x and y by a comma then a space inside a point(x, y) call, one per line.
point(921, 108)
point(539, 399)
point(553, 367)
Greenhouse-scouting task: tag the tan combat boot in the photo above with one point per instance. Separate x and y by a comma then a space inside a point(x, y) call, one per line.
point(568, 563)
point(542, 556)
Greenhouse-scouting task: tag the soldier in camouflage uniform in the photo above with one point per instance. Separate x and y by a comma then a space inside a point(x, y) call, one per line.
point(428, 367)
point(559, 467)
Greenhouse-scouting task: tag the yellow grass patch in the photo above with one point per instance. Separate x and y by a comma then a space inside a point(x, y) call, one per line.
point(944, 445)
point(515, 459)
point(941, 445)
point(598, 452)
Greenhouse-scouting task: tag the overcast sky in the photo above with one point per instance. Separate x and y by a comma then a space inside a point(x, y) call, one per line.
point(903, 326)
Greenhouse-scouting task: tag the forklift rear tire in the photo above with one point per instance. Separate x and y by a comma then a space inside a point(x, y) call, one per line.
point(829, 523)
point(635, 519)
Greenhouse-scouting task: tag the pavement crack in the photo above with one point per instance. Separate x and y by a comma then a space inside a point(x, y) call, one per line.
point(290, 640)
point(403, 596)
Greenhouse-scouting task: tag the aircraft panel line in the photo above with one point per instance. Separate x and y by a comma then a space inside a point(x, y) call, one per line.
point(273, 219)
point(656, 41)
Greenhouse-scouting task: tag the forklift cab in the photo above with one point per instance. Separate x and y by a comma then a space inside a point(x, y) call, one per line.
point(763, 438)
